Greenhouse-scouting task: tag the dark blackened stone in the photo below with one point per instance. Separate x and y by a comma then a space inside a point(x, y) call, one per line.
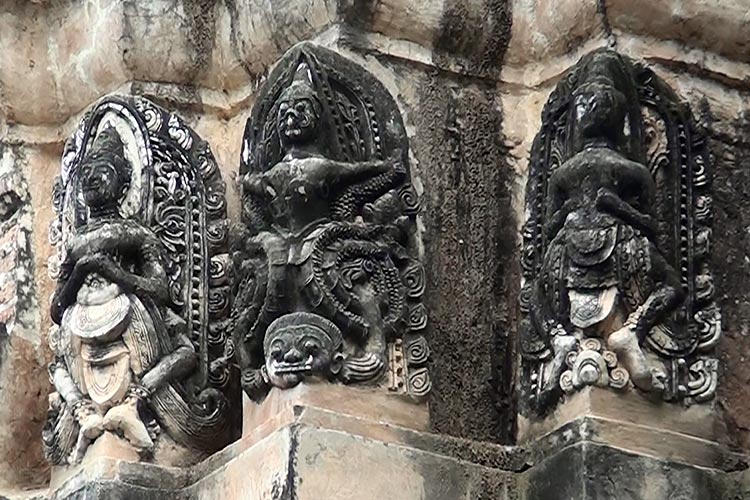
point(471, 256)
point(587, 471)
point(479, 37)
point(114, 490)
point(558, 477)
point(730, 148)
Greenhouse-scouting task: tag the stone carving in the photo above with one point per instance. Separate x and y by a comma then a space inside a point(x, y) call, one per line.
point(329, 279)
point(616, 278)
point(591, 364)
point(300, 344)
point(142, 292)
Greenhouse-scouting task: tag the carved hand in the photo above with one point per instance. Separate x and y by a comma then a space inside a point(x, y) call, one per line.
point(256, 183)
point(99, 263)
point(90, 422)
point(610, 202)
point(89, 262)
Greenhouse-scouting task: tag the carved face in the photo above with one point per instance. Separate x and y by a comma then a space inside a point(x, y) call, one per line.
point(599, 110)
point(101, 184)
point(296, 351)
point(297, 120)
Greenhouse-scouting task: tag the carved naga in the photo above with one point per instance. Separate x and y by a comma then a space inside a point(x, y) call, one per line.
point(329, 281)
point(142, 297)
point(617, 290)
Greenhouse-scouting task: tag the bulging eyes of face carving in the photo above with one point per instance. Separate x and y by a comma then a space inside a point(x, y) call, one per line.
point(310, 346)
point(101, 184)
point(296, 119)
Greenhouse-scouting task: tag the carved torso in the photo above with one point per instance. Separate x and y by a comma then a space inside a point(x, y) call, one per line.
point(300, 191)
point(610, 255)
point(324, 174)
point(582, 177)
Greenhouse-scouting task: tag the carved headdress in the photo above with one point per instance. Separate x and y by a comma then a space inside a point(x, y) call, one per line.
point(301, 87)
point(108, 147)
point(656, 130)
point(175, 191)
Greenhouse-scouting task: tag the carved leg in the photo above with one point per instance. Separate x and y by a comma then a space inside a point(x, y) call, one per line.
point(561, 345)
point(65, 384)
point(91, 427)
point(89, 420)
point(624, 343)
point(82, 444)
point(665, 297)
point(178, 364)
point(124, 418)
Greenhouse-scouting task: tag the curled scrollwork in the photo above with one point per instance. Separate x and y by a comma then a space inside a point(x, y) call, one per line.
point(330, 229)
point(142, 297)
point(617, 239)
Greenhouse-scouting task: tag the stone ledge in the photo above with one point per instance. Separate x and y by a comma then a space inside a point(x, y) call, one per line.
point(55, 62)
point(693, 436)
point(638, 440)
point(318, 455)
point(322, 441)
point(589, 471)
point(323, 454)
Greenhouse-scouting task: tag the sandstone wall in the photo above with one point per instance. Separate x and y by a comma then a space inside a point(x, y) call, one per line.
point(470, 76)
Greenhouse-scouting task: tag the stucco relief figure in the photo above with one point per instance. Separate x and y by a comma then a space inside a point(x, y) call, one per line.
point(613, 292)
point(330, 233)
point(130, 344)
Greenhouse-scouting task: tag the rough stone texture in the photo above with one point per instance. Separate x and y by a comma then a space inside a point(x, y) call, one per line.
point(319, 454)
point(587, 471)
point(471, 255)
point(23, 378)
point(728, 131)
point(471, 109)
point(311, 451)
point(686, 22)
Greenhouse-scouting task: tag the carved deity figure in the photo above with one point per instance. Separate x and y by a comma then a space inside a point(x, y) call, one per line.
point(604, 303)
point(330, 241)
point(123, 344)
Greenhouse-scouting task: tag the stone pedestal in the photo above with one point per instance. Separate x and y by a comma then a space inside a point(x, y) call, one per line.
point(591, 471)
point(629, 421)
point(601, 444)
point(320, 441)
point(338, 443)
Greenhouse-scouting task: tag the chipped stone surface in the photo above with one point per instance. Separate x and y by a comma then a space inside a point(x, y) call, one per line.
point(470, 78)
point(23, 379)
point(694, 23)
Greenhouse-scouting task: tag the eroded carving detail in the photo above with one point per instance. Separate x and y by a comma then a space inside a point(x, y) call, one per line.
point(330, 244)
point(616, 281)
point(138, 277)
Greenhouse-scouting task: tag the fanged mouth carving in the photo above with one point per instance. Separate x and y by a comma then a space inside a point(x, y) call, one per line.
point(304, 367)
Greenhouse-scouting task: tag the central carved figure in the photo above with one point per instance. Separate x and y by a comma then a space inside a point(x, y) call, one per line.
point(140, 287)
point(302, 187)
point(330, 235)
point(617, 288)
point(600, 217)
point(107, 303)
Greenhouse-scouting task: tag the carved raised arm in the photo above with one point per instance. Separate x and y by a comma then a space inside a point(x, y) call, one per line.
point(347, 173)
point(609, 202)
